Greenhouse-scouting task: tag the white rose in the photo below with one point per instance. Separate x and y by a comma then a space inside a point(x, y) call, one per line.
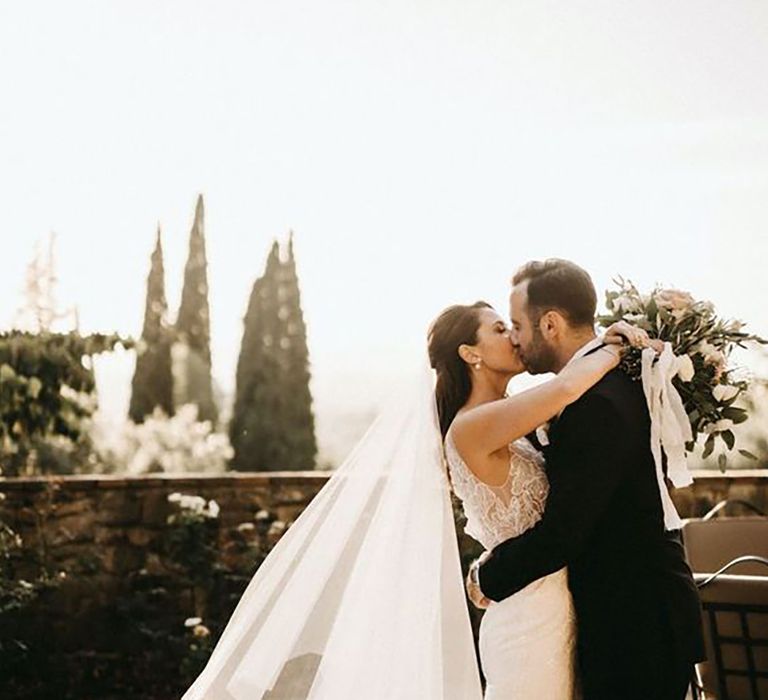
point(685, 368)
point(674, 299)
point(724, 392)
point(174, 497)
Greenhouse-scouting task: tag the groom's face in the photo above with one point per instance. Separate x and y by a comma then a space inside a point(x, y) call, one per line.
point(536, 353)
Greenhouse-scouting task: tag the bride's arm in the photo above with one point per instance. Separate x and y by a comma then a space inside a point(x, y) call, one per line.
point(483, 430)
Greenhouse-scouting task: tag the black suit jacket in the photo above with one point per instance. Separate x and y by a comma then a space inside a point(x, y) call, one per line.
point(632, 589)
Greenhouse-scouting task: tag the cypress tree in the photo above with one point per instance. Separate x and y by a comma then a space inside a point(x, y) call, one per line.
point(152, 380)
point(193, 328)
point(295, 370)
point(272, 423)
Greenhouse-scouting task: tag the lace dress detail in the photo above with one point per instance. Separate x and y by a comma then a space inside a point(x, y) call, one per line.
point(496, 513)
point(528, 640)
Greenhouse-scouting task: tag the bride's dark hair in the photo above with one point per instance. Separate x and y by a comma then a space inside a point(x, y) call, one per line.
point(455, 326)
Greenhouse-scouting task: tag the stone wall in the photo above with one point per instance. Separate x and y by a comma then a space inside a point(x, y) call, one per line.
point(114, 521)
point(113, 625)
point(107, 534)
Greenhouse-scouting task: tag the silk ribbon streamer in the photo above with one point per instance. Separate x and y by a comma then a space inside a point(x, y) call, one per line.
point(670, 427)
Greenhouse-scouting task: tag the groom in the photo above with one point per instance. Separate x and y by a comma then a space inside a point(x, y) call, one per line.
point(637, 608)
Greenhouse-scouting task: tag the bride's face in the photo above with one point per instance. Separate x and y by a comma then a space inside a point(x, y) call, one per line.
point(494, 344)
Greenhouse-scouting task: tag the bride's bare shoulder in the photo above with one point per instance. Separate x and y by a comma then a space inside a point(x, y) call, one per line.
point(459, 435)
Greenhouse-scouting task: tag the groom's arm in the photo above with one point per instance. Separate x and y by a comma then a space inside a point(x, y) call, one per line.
point(590, 435)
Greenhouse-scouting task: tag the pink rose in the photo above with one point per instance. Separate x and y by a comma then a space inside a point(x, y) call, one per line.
point(673, 299)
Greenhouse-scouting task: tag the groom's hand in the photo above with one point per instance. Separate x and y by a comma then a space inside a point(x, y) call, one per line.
point(473, 587)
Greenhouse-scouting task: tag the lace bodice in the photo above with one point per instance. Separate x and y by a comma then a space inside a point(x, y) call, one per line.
point(496, 513)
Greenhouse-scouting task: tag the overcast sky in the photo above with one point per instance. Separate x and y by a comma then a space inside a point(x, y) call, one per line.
point(420, 151)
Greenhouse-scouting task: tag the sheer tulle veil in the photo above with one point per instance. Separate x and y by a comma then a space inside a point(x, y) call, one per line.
point(363, 596)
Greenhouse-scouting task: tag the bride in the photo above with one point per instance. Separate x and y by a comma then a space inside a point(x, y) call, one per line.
point(363, 596)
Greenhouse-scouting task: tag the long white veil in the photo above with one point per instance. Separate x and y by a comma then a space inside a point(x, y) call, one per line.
point(363, 596)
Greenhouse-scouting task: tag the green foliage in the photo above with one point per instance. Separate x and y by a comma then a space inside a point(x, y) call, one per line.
point(272, 425)
point(24, 575)
point(16, 592)
point(153, 381)
point(198, 646)
point(191, 538)
point(47, 393)
point(193, 379)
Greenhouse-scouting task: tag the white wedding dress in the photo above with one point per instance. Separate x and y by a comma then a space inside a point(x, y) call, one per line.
point(527, 641)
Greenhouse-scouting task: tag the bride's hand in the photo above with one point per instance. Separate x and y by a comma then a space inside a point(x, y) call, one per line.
point(622, 332)
point(473, 590)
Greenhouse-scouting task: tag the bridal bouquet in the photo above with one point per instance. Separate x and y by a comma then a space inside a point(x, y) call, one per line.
point(702, 343)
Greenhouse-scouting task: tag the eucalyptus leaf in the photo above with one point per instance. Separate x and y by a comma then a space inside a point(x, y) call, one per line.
point(737, 415)
point(709, 446)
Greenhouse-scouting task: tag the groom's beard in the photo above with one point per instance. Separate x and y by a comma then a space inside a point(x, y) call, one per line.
point(539, 357)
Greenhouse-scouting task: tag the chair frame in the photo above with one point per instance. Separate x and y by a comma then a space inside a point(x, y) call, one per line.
point(744, 640)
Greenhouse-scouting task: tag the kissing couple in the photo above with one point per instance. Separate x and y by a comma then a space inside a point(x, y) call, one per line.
point(586, 593)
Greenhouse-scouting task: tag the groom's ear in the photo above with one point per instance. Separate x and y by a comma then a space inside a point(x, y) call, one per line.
point(552, 324)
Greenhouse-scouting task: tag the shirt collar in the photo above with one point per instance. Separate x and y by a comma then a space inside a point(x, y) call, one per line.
point(583, 350)
point(586, 349)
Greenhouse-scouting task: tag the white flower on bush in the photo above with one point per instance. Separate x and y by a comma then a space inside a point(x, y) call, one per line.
point(193, 503)
point(196, 504)
point(192, 621)
point(201, 631)
point(176, 444)
point(725, 392)
point(685, 369)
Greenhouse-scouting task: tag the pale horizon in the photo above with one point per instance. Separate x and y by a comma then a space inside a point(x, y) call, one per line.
point(420, 153)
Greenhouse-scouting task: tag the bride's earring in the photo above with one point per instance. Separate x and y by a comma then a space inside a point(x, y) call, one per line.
point(478, 364)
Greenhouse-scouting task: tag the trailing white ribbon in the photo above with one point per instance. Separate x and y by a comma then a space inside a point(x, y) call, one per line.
point(670, 427)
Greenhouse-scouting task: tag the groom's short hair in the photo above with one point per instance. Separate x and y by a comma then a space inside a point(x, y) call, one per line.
point(559, 284)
